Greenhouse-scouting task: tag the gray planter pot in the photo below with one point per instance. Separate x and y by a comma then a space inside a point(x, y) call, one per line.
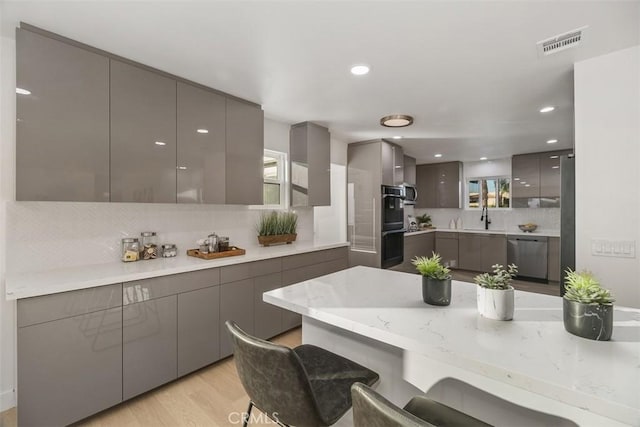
point(436, 292)
point(594, 322)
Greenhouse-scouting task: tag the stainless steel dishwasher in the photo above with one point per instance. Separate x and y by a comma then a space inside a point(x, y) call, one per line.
point(529, 253)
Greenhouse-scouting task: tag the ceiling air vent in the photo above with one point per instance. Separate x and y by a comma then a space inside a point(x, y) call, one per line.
point(561, 42)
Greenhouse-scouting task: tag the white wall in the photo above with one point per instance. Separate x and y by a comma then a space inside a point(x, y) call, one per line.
point(607, 148)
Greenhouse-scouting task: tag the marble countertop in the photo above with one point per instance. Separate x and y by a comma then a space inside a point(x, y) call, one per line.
point(516, 231)
point(533, 352)
point(68, 279)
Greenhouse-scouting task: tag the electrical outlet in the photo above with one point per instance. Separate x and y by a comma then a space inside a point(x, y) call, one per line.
point(613, 248)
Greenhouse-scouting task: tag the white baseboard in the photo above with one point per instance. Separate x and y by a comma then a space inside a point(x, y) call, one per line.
point(7, 400)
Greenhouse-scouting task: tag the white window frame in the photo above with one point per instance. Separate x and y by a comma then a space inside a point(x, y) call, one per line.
point(478, 178)
point(282, 180)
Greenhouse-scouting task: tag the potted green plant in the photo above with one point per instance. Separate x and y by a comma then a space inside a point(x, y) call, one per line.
point(277, 227)
point(587, 308)
point(495, 293)
point(424, 221)
point(436, 279)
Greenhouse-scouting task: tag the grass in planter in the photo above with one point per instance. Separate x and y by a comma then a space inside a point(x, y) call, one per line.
point(584, 288)
point(276, 223)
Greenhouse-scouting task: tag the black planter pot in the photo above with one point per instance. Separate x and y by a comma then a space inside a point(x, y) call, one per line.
point(436, 292)
point(594, 322)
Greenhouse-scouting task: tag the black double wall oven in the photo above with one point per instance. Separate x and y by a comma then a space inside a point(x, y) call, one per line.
point(392, 246)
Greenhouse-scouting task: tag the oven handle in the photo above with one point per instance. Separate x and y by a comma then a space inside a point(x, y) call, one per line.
point(384, 233)
point(395, 196)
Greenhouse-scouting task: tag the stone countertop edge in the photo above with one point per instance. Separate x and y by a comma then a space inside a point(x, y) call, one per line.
point(540, 233)
point(32, 284)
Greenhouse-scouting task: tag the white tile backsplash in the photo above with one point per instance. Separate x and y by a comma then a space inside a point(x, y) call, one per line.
point(51, 235)
point(548, 219)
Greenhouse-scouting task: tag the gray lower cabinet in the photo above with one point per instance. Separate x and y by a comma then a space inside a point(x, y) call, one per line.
point(143, 135)
point(479, 252)
point(447, 247)
point(244, 153)
point(69, 364)
point(149, 350)
point(268, 317)
point(62, 129)
point(201, 145)
point(553, 259)
point(236, 303)
point(416, 245)
point(198, 329)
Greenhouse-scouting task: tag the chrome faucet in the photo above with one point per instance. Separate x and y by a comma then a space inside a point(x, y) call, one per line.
point(485, 217)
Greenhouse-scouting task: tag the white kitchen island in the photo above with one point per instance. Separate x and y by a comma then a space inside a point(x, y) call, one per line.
point(377, 318)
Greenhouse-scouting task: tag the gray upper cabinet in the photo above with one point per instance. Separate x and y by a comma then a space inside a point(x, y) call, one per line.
point(62, 131)
point(310, 153)
point(244, 153)
point(536, 179)
point(409, 170)
point(439, 185)
point(201, 145)
point(392, 164)
point(143, 135)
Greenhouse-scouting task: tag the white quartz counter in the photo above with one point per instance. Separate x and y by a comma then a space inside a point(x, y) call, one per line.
point(49, 282)
point(532, 353)
point(517, 231)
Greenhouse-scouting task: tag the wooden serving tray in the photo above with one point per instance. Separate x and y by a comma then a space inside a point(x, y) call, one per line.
point(234, 251)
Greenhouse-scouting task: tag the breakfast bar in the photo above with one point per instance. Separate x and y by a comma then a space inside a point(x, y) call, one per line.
point(503, 372)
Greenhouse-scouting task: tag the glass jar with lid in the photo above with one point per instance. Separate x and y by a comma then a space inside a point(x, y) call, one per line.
point(223, 243)
point(169, 250)
point(149, 247)
point(130, 249)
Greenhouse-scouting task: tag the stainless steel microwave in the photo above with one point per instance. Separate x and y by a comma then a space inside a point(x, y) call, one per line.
point(410, 194)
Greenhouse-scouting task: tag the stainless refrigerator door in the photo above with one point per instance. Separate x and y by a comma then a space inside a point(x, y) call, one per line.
point(567, 217)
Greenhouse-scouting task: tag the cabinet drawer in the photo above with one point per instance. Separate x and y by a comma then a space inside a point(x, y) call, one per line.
point(158, 287)
point(46, 308)
point(337, 253)
point(247, 270)
point(311, 258)
point(446, 235)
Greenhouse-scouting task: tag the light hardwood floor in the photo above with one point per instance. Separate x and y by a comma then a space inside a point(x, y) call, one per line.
point(212, 396)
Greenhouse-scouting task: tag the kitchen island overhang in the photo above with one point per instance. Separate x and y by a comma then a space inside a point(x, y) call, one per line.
point(530, 361)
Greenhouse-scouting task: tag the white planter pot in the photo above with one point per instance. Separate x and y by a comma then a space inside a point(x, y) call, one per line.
point(495, 303)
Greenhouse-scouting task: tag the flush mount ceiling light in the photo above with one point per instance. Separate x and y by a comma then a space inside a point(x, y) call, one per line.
point(552, 141)
point(547, 109)
point(360, 70)
point(396, 121)
point(21, 91)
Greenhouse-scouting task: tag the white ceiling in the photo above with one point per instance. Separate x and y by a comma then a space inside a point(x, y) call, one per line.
point(467, 71)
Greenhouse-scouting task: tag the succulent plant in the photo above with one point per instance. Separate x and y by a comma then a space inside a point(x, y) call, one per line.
point(432, 267)
point(499, 279)
point(584, 288)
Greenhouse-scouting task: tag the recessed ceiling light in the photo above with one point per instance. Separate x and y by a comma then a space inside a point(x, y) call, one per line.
point(202, 131)
point(160, 143)
point(398, 167)
point(21, 91)
point(397, 137)
point(555, 167)
point(516, 179)
point(528, 185)
point(182, 168)
point(359, 70)
point(552, 141)
point(483, 158)
point(547, 109)
point(522, 182)
point(396, 120)
point(554, 157)
point(437, 155)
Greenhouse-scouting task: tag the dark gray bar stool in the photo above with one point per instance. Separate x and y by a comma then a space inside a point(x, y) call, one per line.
point(370, 409)
point(304, 386)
